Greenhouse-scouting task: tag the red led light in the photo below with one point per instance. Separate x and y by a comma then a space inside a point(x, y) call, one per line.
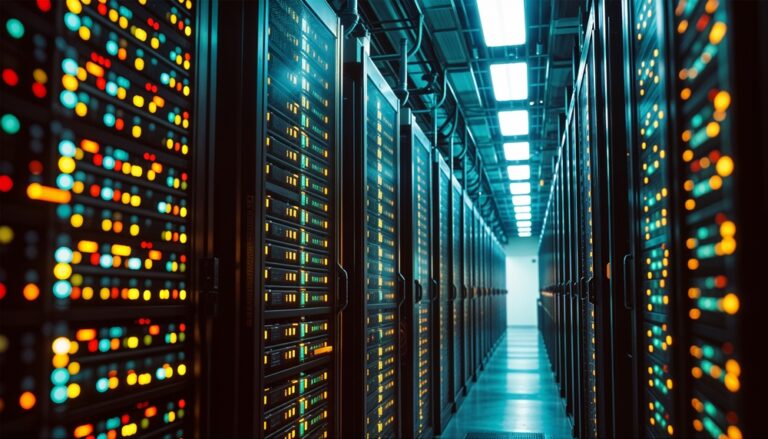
point(97, 159)
point(38, 90)
point(182, 403)
point(95, 258)
point(35, 167)
point(102, 8)
point(6, 183)
point(720, 218)
point(101, 83)
point(10, 77)
point(95, 190)
point(44, 5)
point(2, 290)
point(702, 23)
point(119, 124)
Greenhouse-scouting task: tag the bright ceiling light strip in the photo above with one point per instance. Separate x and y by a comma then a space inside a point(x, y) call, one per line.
point(515, 151)
point(513, 122)
point(503, 22)
point(524, 224)
point(521, 200)
point(519, 172)
point(520, 188)
point(510, 81)
point(523, 216)
point(522, 209)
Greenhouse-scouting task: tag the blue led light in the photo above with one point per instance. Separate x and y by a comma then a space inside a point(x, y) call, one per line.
point(109, 162)
point(104, 345)
point(109, 119)
point(105, 261)
point(68, 99)
point(69, 66)
point(65, 181)
point(59, 394)
point(72, 21)
point(63, 254)
point(161, 206)
point(112, 47)
point(102, 385)
point(134, 264)
point(160, 373)
point(60, 376)
point(111, 88)
point(62, 289)
point(67, 148)
point(107, 193)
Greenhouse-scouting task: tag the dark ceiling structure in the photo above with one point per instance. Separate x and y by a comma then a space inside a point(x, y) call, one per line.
point(449, 65)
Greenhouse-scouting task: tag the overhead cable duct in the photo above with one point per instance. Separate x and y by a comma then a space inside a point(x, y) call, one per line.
point(402, 86)
point(350, 17)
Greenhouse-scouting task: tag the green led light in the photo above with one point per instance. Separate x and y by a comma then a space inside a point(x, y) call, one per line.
point(10, 124)
point(15, 28)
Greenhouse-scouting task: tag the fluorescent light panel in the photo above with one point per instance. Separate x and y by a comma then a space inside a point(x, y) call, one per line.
point(517, 151)
point(519, 172)
point(510, 81)
point(523, 216)
point(520, 188)
point(503, 22)
point(521, 224)
point(522, 209)
point(521, 200)
point(513, 122)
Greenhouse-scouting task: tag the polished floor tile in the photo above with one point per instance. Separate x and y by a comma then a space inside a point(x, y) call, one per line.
point(515, 393)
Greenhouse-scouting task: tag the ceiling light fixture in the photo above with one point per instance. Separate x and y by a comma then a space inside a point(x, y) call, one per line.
point(523, 216)
point(515, 151)
point(522, 209)
point(521, 224)
point(520, 188)
point(510, 81)
point(521, 200)
point(503, 22)
point(513, 122)
point(519, 172)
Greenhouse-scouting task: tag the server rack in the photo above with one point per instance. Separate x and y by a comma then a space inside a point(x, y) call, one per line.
point(371, 253)
point(102, 131)
point(468, 282)
point(458, 288)
point(416, 259)
point(443, 358)
point(274, 339)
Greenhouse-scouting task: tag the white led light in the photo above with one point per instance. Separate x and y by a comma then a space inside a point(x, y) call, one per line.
point(523, 216)
point(522, 209)
point(503, 22)
point(519, 172)
point(521, 224)
point(524, 234)
point(513, 122)
point(520, 188)
point(521, 200)
point(517, 151)
point(510, 81)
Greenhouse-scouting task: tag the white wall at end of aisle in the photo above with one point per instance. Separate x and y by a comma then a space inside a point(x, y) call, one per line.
point(522, 281)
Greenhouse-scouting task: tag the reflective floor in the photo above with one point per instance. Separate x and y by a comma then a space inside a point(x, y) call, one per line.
point(515, 393)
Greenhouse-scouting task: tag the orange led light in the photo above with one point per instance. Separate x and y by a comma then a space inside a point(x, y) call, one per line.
point(36, 191)
point(27, 400)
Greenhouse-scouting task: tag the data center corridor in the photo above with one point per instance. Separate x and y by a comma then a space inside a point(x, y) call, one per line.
point(315, 219)
point(516, 392)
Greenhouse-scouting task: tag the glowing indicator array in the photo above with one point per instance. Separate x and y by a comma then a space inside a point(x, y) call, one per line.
point(297, 248)
point(98, 125)
point(381, 238)
point(457, 311)
point(654, 227)
point(710, 229)
point(444, 248)
point(421, 254)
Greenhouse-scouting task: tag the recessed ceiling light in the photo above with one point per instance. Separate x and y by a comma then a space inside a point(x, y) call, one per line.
point(519, 172)
point(521, 200)
point(522, 209)
point(515, 151)
point(503, 22)
point(524, 234)
point(520, 188)
point(510, 81)
point(522, 216)
point(513, 122)
point(524, 224)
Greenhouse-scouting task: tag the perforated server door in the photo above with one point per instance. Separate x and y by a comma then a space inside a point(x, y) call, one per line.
point(443, 356)
point(371, 248)
point(652, 224)
point(467, 271)
point(458, 289)
point(719, 72)
point(416, 197)
point(299, 236)
point(99, 113)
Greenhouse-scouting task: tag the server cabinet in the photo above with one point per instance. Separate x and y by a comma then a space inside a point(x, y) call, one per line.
point(275, 342)
point(442, 337)
point(458, 289)
point(416, 258)
point(719, 93)
point(102, 127)
point(371, 254)
point(468, 317)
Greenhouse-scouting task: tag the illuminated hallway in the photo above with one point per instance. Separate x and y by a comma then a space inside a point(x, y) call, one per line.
point(515, 393)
